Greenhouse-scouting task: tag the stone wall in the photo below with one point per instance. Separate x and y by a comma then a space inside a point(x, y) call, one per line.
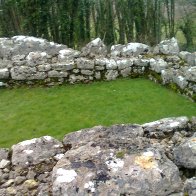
point(30, 60)
point(153, 159)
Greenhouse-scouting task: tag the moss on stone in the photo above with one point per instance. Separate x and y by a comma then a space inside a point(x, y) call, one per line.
point(155, 75)
point(149, 55)
point(120, 154)
point(182, 63)
point(173, 86)
point(194, 97)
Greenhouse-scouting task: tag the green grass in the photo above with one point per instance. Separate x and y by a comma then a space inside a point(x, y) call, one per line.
point(28, 113)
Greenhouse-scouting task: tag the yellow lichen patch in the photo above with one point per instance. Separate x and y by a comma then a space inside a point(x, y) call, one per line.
point(146, 160)
point(194, 139)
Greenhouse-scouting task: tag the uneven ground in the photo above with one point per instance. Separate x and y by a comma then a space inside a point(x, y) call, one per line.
point(28, 113)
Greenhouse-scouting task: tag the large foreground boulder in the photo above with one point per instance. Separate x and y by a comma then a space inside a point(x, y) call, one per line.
point(125, 159)
point(91, 169)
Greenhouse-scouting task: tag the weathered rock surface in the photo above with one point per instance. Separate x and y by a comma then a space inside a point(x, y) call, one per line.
point(168, 47)
point(4, 153)
point(191, 59)
point(129, 50)
point(19, 45)
point(164, 127)
point(190, 187)
point(190, 74)
point(35, 151)
point(158, 65)
point(156, 158)
point(185, 153)
point(4, 73)
point(95, 48)
point(98, 171)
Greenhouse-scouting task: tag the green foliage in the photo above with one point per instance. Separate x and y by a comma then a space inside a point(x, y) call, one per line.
point(186, 194)
point(194, 97)
point(33, 112)
point(120, 154)
point(155, 75)
point(76, 22)
point(174, 87)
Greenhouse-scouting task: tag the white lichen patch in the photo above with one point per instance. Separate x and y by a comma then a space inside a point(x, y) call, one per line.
point(52, 43)
point(59, 156)
point(111, 64)
point(131, 47)
point(152, 123)
point(3, 70)
point(65, 52)
point(26, 38)
point(115, 164)
point(174, 124)
point(148, 153)
point(96, 41)
point(48, 138)
point(28, 151)
point(19, 37)
point(64, 175)
point(181, 78)
point(90, 186)
point(43, 54)
point(28, 142)
point(146, 160)
point(111, 154)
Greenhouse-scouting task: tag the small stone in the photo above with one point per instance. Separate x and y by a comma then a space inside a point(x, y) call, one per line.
point(31, 175)
point(4, 163)
point(184, 154)
point(43, 189)
point(12, 175)
point(6, 170)
point(4, 153)
point(76, 71)
point(5, 176)
point(87, 72)
point(43, 177)
point(177, 137)
point(11, 191)
point(98, 75)
point(19, 171)
point(190, 187)
point(2, 180)
point(3, 192)
point(30, 184)
point(8, 183)
point(19, 180)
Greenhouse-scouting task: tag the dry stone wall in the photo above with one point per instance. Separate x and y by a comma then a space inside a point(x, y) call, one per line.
point(30, 60)
point(156, 158)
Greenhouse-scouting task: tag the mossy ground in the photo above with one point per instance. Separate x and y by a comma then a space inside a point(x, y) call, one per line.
point(26, 113)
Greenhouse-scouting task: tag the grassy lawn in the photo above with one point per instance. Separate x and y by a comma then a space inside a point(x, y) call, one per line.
point(28, 113)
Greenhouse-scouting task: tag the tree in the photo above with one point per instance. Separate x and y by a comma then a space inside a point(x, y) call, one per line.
point(75, 22)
